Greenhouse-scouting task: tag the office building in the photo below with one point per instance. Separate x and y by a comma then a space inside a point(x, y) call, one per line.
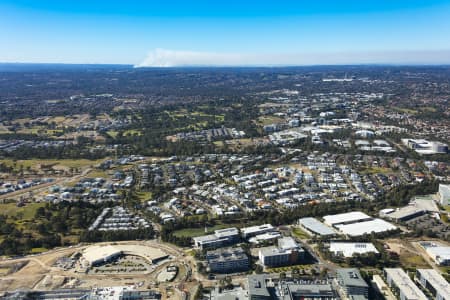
point(288, 252)
point(402, 285)
point(422, 146)
point(263, 287)
point(227, 260)
point(351, 284)
point(444, 194)
point(434, 282)
point(248, 232)
point(220, 238)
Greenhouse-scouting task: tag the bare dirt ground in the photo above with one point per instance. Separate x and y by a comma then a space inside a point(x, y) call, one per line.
point(40, 273)
point(410, 255)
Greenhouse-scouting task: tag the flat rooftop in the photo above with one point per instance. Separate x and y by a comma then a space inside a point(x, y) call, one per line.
point(438, 282)
point(258, 228)
point(405, 212)
point(226, 232)
point(351, 277)
point(349, 249)
point(227, 254)
point(443, 252)
point(349, 217)
point(405, 284)
point(367, 227)
point(287, 243)
point(317, 227)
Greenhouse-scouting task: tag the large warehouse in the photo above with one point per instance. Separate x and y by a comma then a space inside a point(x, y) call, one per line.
point(357, 223)
point(349, 249)
point(367, 227)
point(315, 227)
point(346, 218)
point(439, 253)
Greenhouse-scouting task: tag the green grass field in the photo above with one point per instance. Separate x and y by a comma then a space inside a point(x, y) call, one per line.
point(144, 196)
point(405, 110)
point(267, 120)
point(98, 173)
point(35, 163)
point(38, 250)
point(27, 212)
point(132, 132)
point(410, 260)
point(376, 170)
point(299, 233)
point(112, 133)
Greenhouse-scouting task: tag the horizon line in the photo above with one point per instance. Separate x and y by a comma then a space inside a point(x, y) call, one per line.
point(218, 66)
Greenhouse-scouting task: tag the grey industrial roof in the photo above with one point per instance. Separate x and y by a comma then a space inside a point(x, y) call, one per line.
point(316, 226)
point(405, 212)
point(351, 277)
point(257, 285)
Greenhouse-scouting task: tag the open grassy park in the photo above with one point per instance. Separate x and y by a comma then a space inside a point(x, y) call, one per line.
point(36, 164)
point(26, 212)
point(299, 233)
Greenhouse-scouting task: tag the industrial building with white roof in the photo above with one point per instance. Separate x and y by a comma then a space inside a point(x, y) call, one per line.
point(357, 223)
point(431, 280)
point(346, 218)
point(315, 227)
point(361, 228)
point(398, 280)
point(348, 249)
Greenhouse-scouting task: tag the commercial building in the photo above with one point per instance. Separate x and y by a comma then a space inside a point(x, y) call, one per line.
point(402, 285)
point(434, 282)
point(422, 146)
point(346, 218)
point(381, 287)
point(220, 238)
point(236, 293)
point(288, 252)
point(349, 249)
point(262, 287)
point(116, 292)
point(440, 255)
point(357, 223)
point(351, 285)
point(97, 255)
point(405, 213)
point(248, 232)
point(295, 290)
point(265, 237)
point(258, 287)
point(228, 260)
point(444, 194)
point(315, 227)
point(367, 227)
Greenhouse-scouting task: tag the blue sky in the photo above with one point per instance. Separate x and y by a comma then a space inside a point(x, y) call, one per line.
point(197, 32)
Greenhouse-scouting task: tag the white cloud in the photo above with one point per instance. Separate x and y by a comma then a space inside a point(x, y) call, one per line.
point(174, 58)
